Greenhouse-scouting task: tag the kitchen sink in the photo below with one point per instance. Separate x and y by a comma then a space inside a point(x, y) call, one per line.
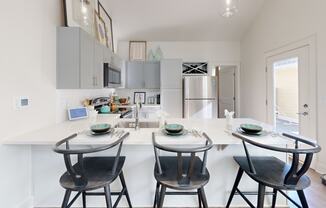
point(142, 124)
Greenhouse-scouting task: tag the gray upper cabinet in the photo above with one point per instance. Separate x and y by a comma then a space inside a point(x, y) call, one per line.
point(152, 76)
point(143, 75)
point(135, 75)
point(98, 65)
point(87, 72)
point(80, 59)
point(171, 73)
point(68, 58)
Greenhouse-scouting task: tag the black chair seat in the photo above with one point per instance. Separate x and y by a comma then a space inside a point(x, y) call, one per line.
point(170, 173)
point(98, 171)
point(271, 172)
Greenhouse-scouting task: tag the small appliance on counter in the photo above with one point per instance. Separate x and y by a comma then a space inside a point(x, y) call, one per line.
point(99, 102)
point(77, 113)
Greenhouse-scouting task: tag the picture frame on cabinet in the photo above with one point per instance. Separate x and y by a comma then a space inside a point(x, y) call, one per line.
point(100, 29)
point(140, 96)
point(137, 50)
point(108, 25)
point(79, 14)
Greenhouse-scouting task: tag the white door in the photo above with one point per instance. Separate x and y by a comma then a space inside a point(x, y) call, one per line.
point(226, 89)
point(291, 92)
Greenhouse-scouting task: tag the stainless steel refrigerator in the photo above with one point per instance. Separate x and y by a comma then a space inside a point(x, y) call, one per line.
point(199, 97)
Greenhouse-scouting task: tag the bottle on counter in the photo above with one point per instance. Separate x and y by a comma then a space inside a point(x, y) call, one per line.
point(229, 119)
point(92, 114)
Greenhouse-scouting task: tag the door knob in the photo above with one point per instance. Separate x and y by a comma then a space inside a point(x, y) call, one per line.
point(303, 114)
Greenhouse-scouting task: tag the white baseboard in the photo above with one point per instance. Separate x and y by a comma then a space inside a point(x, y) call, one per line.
point(321, 168)
point(27, 203)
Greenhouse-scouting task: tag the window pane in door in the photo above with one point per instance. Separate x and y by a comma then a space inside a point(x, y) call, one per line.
point(286, 89)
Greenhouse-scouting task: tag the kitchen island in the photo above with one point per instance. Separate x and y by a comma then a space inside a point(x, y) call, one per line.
point(47, 166)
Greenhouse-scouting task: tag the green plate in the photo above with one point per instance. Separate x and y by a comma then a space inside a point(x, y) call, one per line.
point(173, 128)
point(183, 132)
point(261, 133)
point(100, 128)
point(251, 128)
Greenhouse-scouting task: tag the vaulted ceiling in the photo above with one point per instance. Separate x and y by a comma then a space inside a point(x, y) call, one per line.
point(179, 20)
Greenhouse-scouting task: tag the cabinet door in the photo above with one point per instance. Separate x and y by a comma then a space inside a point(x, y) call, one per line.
point(171, 102)
point(68, 74)
point(107, 55)
point(98, 65)
point(135, 75)
point(152, 75)
point(171, 74)
point(87, 79)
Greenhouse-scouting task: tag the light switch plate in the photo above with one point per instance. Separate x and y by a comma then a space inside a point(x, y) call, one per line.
point(21, 102)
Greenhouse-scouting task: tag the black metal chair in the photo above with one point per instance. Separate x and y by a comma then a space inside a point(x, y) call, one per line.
point(275, 173)
point(91, 173)
point(182, 173)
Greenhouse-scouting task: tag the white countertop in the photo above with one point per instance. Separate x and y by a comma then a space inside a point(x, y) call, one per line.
point(214, 128)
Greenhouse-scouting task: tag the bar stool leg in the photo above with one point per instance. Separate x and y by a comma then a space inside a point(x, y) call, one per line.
point(156, 200)
point(199, 198)
point(123, 182)
point(274, 197)
point(235, 186)
point(66, 199)
point(302, 199)
point(108, 196)
point(261, 196)
point(203, 197)
point(84, 199)
point(162, 195)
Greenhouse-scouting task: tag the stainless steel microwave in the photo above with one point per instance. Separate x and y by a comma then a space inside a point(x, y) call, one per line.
point(112, 76)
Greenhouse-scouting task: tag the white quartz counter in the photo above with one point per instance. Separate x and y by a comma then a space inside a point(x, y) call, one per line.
point(138, 168)
point(214, 128)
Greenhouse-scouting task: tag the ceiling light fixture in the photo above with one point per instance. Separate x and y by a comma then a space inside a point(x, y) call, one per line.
point(229, 8)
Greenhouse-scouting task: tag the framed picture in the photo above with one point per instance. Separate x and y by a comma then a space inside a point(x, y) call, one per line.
point(100, 29)
point(137, 50)
point(108, 25)
point(79, 13)
point(141, 96)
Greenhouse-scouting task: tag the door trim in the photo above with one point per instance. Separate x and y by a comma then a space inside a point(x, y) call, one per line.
point(311, 43)
point(237, 87)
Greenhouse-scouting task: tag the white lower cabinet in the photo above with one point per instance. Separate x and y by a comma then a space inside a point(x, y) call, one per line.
point(171, 102)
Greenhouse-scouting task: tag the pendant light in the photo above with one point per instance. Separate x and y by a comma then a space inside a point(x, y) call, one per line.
point(83, 13)
point(229, 8)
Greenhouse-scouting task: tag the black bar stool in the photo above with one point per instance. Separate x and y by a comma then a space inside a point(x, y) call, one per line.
point(273, 172)
point(91, 173)
point(182, 173)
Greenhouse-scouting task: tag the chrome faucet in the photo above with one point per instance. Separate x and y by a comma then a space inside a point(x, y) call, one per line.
point(138, 107)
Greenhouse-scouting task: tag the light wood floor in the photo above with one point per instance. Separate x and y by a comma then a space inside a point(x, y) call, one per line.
point(315, 194)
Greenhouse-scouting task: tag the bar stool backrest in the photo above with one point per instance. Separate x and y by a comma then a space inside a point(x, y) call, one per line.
point(77, 173)
point(295, 172)
point(183, 177)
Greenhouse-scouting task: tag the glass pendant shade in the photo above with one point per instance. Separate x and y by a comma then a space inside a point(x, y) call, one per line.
point(83, 13)
point(229, 8)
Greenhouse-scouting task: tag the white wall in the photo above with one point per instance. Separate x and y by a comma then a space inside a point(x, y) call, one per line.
point(213, 52)
point(27, 68)
point(278, 24)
